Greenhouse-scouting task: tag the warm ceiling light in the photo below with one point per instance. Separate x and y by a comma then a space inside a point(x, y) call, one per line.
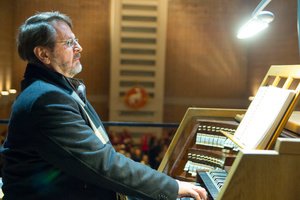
point(12, 91)
point(4, 93)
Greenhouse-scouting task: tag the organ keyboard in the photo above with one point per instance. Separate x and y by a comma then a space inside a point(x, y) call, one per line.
point(213, 181)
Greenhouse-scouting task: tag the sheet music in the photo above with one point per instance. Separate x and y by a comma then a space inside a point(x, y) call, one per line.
point(263, 116)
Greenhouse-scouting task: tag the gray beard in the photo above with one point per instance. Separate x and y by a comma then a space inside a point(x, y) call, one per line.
point(76, 70)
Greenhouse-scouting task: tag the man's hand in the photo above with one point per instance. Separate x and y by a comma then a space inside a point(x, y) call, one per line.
point(189, 190)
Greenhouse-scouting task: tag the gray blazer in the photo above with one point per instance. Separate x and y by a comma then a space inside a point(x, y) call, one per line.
point(51, 151)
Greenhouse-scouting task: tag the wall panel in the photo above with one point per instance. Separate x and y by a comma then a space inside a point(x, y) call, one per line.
point(206, 64)
point(6, 44)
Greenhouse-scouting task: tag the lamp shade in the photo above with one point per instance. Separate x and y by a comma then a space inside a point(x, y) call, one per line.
point(255, 25)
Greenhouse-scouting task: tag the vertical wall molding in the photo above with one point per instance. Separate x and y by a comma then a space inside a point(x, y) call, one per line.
point(138, 43)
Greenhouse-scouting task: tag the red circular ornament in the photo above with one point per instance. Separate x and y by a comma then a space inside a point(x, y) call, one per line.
point(136, 97)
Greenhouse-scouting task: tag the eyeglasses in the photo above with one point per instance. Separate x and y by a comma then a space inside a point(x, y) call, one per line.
point(70, 42)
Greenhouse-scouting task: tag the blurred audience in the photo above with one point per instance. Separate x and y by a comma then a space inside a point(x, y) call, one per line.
point(149, 151)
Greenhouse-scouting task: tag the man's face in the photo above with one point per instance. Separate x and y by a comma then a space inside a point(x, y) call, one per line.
point(65, 57)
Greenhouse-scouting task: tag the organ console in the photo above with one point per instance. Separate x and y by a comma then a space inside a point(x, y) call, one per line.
point(200, 153)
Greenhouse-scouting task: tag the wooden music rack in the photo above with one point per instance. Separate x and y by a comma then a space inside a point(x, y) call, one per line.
point(289, 77)
point(285, 77)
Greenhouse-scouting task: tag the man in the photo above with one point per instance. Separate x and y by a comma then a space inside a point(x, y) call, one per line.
point(56, 146)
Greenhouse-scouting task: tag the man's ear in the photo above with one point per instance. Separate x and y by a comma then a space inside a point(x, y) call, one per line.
point(42, 54)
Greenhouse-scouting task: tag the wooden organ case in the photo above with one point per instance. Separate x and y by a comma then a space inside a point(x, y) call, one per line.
point(200, 153)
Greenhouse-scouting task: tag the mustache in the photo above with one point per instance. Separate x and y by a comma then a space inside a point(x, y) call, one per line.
point(77, 56)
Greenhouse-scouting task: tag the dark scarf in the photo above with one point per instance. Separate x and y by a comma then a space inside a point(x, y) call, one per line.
point(35, 72)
